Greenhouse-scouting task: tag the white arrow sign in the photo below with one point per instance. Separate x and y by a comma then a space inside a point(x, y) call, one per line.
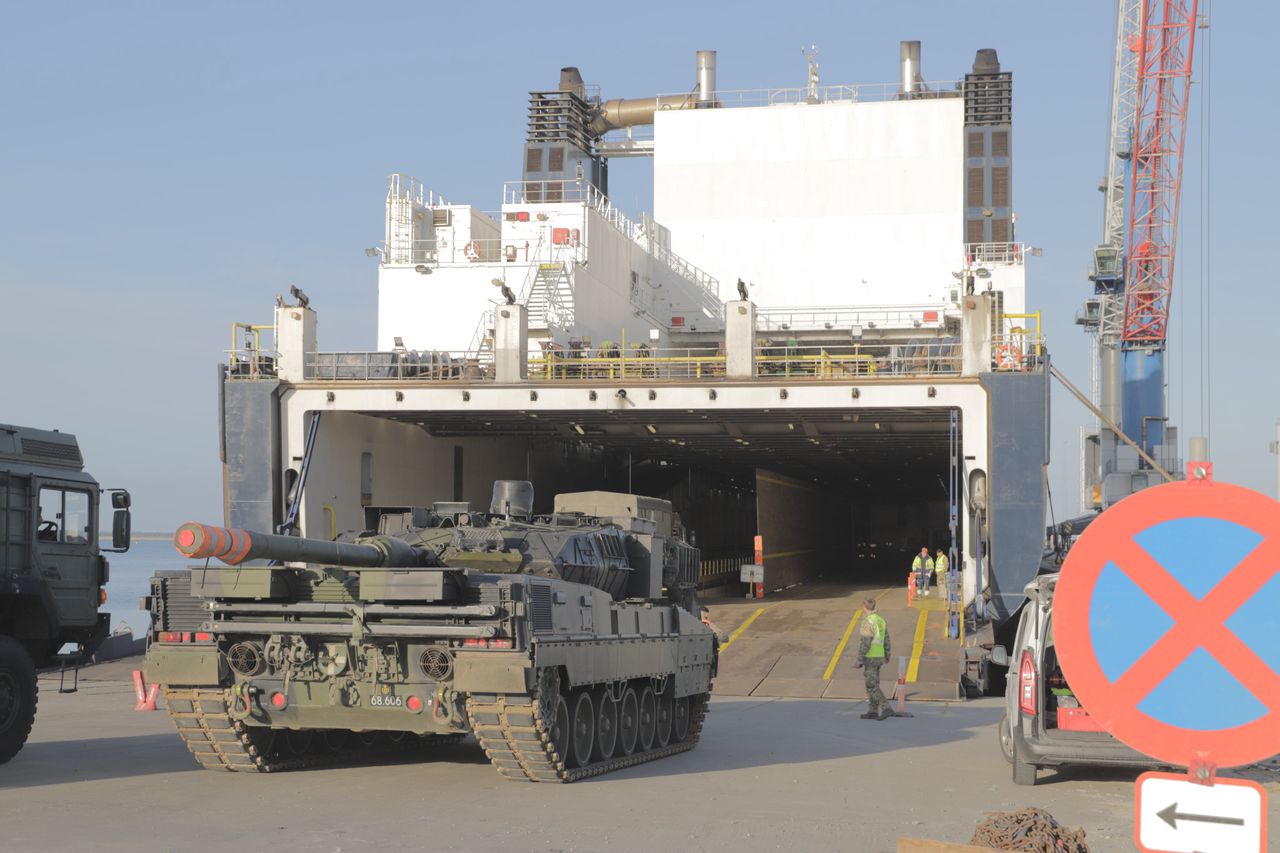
point(1176, 815)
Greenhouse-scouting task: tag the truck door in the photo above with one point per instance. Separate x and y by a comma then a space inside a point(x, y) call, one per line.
point(66, 553)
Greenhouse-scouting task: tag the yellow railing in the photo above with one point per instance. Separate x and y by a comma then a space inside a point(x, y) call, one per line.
point(247, 358)
point(1030, 334)
point(1020, 344)
point(821, 365)
point(569, 366)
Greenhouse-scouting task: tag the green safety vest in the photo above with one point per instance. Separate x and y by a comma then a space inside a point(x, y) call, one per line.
point(876, 649)
point(942, 564)
point(916, 565)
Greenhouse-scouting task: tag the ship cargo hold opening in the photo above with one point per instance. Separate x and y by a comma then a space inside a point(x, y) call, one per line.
point(840, 495)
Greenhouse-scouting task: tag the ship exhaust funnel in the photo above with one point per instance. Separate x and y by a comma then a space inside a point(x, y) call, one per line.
point(571, 81)
point(706, 78)
point(909, 64)
point(985, 61)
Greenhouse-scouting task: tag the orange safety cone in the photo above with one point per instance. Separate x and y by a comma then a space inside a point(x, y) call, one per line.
point(911, 590)
point(146, 695)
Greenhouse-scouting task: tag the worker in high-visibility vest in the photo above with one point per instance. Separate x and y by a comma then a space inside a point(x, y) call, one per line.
point(873, 651)
point(922, 565)
point(942, 569)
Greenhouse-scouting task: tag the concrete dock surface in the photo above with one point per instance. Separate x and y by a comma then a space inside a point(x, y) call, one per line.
point(768, 774)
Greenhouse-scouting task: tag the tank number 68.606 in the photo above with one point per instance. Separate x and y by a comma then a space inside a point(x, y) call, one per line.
point(386, 701)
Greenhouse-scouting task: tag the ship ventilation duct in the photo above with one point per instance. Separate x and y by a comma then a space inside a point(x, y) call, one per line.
point(706, 77)
point(630, 112)
point(909, 63)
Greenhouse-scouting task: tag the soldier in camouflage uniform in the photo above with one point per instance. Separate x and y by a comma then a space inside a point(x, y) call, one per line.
point(873, 651)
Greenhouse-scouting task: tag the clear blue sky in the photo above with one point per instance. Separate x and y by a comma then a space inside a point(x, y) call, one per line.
point(167, 168)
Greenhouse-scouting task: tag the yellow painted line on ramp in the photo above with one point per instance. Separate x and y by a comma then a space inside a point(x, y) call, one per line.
point(844, 641)
point(737, 632)
point(913, 668)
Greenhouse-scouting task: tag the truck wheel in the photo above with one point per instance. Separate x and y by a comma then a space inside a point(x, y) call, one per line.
point(18, 695)
point(1006, 739)
point(1023, 773)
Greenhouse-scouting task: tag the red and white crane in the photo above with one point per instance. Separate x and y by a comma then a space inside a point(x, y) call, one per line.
point(1164, 45)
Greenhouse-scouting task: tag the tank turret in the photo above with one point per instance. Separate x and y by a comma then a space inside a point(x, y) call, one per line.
point(234, 547)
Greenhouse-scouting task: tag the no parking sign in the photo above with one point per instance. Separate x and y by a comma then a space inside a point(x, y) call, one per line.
point(1165, 621)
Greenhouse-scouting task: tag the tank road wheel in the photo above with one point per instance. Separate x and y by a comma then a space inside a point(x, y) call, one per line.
point(680, 719)
point(666, 711)
point(297, 743)
point(648, 718)
point(560, 730)
point(368, 738)
point(584, 730)
point(17, 697)
point(606, 726)
point(628, 722)
point(334, 740)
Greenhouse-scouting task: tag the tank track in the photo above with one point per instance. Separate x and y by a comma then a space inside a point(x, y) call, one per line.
point(220, 742)
point(514, 734)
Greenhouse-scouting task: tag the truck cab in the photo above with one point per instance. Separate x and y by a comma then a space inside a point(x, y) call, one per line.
point(1044, 724)
point(52, 570)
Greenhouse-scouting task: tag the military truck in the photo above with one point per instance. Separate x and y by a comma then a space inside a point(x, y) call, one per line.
point(52, 572)
point(569, 644)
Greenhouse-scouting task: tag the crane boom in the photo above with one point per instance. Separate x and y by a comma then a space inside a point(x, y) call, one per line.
point(1165, 44)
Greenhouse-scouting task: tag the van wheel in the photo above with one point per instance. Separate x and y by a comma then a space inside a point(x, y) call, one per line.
point(1006, 739)
point(1023, 773)
point(17, 697)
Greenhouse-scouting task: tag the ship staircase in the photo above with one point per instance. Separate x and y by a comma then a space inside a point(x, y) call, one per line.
point(549, 291)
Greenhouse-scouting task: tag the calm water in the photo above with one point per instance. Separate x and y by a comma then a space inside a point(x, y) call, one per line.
point(130, 573)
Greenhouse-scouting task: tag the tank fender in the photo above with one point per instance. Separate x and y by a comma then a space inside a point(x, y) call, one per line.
point(187, 665)
point(492, 672)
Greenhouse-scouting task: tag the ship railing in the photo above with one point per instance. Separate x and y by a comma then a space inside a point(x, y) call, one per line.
point(824, 94)
point(994, 254)
point(420, 365)
point(1020, 345)
point(843, 317)
point(410, 253)
point(582, 192)
point(248, 358)
point(481, 250)
point(252, 364)
point(637, 362)
point(934, 357)
point(408, 188)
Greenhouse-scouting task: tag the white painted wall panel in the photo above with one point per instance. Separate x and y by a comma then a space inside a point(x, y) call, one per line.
point(826, 204)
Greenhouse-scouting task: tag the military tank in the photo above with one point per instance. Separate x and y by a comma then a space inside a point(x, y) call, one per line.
point(568, 644)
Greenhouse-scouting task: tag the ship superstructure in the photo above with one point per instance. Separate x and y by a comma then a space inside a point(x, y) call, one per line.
point(848, 211)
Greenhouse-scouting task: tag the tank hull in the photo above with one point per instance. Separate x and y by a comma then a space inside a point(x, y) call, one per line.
point(511, 650)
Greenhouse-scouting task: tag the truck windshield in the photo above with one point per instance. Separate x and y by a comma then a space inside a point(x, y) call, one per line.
point(64, 516)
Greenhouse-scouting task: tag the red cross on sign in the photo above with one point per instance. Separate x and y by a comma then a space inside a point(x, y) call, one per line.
point(1164, 621)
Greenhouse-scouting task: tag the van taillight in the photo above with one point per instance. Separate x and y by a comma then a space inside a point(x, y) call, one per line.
point(1027, 684)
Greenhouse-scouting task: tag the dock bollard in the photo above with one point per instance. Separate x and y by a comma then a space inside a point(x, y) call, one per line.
point(146, 695)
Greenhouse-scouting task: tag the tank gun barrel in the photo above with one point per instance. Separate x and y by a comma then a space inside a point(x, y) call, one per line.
point(235, 546)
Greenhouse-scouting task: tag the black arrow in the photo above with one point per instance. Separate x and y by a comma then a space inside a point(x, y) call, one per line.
point(1171, 816)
